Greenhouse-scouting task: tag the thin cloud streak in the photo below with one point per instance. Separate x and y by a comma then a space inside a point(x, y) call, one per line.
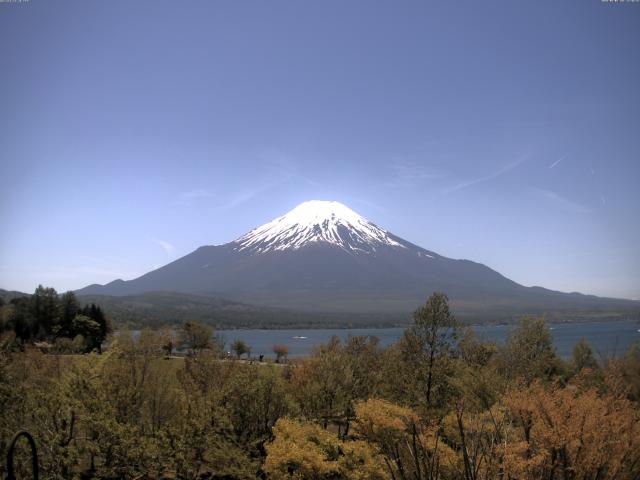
point(247, 195)
point(562, 202)
point(166, 246)
point(188, 198)
point(557, 161)
point(407, 173)
point(486, 178)
point(372, 205)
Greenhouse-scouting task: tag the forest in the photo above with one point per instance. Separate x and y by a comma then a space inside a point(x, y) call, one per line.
point(54, 322)
point(441, 403)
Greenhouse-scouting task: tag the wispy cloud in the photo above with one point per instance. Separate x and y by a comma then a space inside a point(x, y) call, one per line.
point(310, 181)
point(242, 197)
point(371, 205)
point(189, 198)
point(490, 176)
point(557, 161)
point(248, 194)
point(408, 173)
point(166, 246)
point(562, 202)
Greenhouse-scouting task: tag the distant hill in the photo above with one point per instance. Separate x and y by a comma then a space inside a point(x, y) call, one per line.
point(154, 309)
point(324, 259)
point(8, 295)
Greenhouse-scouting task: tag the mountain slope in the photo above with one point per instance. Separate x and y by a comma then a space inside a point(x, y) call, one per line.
point(322, 256)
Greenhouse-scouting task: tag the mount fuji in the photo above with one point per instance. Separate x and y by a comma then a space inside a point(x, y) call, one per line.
point(324, 257)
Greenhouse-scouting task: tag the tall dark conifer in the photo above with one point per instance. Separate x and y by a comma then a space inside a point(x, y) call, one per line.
point(67, 311)
point(44, 308)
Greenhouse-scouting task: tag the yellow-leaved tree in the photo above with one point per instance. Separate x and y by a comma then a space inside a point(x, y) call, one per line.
point(413, 448)
point(302, 450)
point(572, 433)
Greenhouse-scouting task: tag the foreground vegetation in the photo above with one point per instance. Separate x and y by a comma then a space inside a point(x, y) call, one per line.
point(440, 404)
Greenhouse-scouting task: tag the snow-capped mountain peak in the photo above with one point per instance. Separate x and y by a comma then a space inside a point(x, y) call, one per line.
point(317, 221)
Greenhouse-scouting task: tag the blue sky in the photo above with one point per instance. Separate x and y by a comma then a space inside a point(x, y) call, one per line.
point(504, 132)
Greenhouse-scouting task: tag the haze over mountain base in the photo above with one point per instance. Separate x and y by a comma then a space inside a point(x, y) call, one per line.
point(322, 257)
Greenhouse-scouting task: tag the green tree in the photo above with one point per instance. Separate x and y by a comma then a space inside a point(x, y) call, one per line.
point(68, 309)
point(630, 370)
point(582, 356)
point(167, 340)
point(529, 353)
point(321, 384)
point(87, 328)
point(240, 348)
point(429, 344)
point(44, 308)
point(195, 336)
point(474, 351)
point(254, 399)
point(95, 313)
point(45, 315)
point(20, 319)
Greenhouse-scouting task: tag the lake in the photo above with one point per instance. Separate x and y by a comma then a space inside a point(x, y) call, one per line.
point(608, 337)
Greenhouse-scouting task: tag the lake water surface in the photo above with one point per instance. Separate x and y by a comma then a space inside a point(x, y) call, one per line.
point(608, 338)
